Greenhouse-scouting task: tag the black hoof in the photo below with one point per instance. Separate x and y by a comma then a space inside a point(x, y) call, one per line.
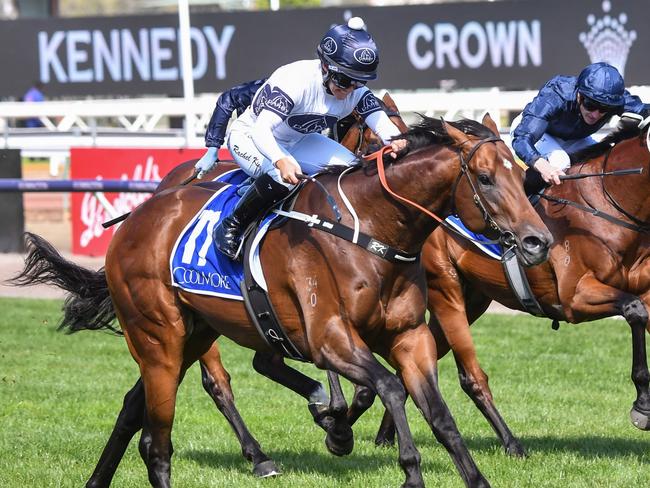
point(340, 446)
point(382, 441)
point(266, 469)
point(515, 449)
point(639, 419)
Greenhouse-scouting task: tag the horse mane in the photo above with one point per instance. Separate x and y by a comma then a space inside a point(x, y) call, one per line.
point(615, 136)
point(429, 131)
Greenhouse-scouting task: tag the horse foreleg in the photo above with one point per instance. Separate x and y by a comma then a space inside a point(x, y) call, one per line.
point(450, 327)
point(273, 367)
point(216, 382)
point(414, 354)
point(347, 355)
point(636, 314)
point(361, 401)
point(594, 298)
point(340, 438)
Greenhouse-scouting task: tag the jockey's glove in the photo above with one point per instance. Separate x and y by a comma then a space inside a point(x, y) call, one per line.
point(207, 162)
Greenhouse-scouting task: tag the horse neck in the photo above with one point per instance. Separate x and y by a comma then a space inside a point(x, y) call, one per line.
point(630, 192)
point(421, 178)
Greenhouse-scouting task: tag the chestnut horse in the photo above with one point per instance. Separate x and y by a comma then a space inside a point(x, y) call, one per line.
point(598, 268)
point(377, 308)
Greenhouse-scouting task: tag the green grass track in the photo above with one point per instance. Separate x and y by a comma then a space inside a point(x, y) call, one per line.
point(566, 394)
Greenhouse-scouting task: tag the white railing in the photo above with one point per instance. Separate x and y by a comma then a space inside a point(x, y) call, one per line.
point(145, 122)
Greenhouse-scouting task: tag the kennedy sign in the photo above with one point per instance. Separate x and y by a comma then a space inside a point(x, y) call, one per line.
point(509, 44)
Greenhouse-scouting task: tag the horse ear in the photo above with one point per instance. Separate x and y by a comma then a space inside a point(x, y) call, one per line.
point(457, 135)
point(390, 103)
point(489, 123)
point(396, 119)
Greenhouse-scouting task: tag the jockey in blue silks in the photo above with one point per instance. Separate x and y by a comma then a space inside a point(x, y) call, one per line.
point(237, 99)
point(564, 115)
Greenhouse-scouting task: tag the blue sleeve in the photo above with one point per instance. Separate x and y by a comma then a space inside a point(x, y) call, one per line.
point(534, 122)
point(237, 98)
point(368, 104)
point(635, 105)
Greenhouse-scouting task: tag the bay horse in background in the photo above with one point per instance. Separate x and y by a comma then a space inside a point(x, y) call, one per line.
point(598, 268)
point(366, 304)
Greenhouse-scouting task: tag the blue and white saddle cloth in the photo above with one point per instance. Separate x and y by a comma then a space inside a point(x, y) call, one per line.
point(479, 240)
point(196, 265)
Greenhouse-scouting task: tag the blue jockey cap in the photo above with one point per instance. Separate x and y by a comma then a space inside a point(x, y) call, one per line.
point(350, 50)
point(603, 83)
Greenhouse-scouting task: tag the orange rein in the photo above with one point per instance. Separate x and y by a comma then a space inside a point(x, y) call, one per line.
point(379, 156)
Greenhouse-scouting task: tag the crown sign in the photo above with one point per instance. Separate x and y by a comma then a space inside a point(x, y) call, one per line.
point(607, 40)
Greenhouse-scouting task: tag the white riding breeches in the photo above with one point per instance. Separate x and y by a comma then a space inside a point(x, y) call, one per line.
point(313, 153)
point(554, 150)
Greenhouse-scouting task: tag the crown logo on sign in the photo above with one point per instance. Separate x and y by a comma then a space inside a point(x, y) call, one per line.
point(608, 40)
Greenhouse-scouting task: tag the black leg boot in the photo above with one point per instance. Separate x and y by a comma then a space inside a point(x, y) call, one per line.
point(263, 193)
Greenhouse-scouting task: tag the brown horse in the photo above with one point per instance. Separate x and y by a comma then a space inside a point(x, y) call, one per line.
point(599, 267)
point(377, 308)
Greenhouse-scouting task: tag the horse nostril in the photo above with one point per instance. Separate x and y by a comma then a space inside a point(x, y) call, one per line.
point(533, 244)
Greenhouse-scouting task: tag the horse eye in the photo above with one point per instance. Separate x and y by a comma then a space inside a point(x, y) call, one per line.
point(484, 179)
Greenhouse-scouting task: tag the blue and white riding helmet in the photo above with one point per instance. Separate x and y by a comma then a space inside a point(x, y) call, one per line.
point(350, 50)
point(602, 83)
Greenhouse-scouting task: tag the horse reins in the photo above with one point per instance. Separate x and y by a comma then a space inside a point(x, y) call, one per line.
point(638, 225)
point(643, 225)
point(506, 238)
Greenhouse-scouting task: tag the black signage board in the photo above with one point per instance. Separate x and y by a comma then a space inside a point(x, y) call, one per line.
point(507, 44)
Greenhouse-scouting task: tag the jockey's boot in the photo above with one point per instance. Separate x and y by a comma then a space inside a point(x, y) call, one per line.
point(263, 193)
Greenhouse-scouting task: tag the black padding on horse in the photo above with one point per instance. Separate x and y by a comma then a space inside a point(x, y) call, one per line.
point(369, 243)
point(518, 282)
point(261, 312)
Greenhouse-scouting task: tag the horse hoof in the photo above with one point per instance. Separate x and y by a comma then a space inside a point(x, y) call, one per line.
point(639, 420)
point(266, 469)
point(384, 441)
point(339, 447)
point(516, 450)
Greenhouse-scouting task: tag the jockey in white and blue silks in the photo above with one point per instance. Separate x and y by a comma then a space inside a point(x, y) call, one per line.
point(564, 115)
point(279, 136)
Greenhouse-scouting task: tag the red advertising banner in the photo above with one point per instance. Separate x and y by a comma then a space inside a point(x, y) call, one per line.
point(88, 213)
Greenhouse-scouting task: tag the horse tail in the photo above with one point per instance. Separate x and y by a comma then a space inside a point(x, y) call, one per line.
point(88, 305)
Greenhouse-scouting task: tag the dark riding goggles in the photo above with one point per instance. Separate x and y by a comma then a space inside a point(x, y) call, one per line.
point(344, 82)
point(592, 106)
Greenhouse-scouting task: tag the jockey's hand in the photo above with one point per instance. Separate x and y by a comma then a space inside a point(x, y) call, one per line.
point(549, 173)
point(399, 147)
point(289, 168)
point(629, 121)
point(207, 162)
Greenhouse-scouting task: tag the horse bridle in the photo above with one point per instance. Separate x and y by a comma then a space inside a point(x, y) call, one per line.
point(506, 238)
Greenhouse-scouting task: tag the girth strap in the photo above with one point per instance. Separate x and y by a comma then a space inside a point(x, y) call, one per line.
point(261, 312)
point(363, 240)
